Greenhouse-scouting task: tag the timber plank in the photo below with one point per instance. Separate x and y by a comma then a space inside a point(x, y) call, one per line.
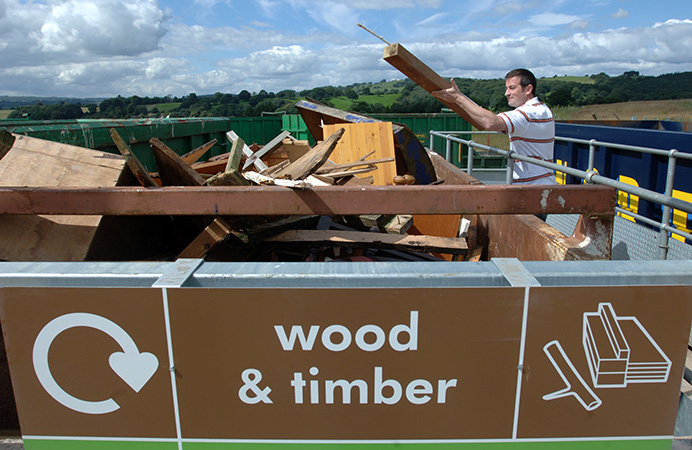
point(214, 234)
point(137, 168)
point(194, 155)
point(358, 239)
point(173, 170)
point(421, 74)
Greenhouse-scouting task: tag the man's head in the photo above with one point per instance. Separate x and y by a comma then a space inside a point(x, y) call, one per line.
point(520, 87)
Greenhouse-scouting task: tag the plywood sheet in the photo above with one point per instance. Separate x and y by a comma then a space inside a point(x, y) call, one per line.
point(38, 163)
point(359, 140)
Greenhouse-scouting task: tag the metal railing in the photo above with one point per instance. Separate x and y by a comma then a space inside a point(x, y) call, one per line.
point(665, 199)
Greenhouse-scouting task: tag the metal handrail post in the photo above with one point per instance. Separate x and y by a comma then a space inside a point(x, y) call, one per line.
point(448, 154)
point(469, 156)
point(664, 238)
point(509, 176)
point(592, 155)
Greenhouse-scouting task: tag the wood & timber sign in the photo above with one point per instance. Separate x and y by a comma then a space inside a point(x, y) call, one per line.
point(466, 368)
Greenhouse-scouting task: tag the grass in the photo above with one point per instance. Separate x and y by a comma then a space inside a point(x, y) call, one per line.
point(584, 80)
point(164, 107)
point(4, 113)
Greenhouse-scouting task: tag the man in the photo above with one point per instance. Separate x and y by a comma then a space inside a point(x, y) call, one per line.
point(530, 126)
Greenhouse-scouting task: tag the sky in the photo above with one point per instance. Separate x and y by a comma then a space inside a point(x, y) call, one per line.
point(105, 48)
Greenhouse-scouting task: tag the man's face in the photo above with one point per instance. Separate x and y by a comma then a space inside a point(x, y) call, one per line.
point(515, 93)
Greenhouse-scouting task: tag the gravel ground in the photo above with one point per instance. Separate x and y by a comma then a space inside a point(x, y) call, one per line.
point(11, 444)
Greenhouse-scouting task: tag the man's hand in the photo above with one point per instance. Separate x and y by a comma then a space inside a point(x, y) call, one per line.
point(449, 95)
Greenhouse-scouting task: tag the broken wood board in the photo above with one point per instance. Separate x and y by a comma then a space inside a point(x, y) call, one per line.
point(364, 239)
point(35, 162)
point(267, 149)
point(422, 75)
point(312, 160)
point(359, 139)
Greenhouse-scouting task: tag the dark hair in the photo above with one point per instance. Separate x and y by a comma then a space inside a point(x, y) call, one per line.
point(525, 76)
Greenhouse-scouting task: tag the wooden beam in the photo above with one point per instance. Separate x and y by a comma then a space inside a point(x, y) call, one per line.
point(233, 163)
point(364, 239)
point(173, 170)
point(137, 168)
point(214, 234)
point(324, 200)
point(259, 164)
point(421, 74)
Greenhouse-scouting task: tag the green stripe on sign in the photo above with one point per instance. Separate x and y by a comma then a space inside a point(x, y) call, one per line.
point(658, 444)
point(40, 444)
point(59, 444)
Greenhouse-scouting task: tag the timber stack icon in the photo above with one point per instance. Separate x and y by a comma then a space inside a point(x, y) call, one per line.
point(619, 351)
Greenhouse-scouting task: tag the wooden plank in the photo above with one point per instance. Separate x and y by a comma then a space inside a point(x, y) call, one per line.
point(358, 239)
point(259, 165)
point(362, 138)
point(35, 163)
point(137, 168)
point(311, 161)
point(267, 149)
point(173, 170)
point(214, 234)
point(233, 162)
point(421, 74)
point(194, 155)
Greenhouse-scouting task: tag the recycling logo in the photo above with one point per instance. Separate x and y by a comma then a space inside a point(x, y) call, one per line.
point(133, 367)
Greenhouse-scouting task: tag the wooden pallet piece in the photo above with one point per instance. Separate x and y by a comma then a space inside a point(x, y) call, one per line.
point(421, 74)
point(362, 138)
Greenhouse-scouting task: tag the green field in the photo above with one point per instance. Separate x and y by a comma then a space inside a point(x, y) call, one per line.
point(4, 113)
point(164, 107)
point(585, 80)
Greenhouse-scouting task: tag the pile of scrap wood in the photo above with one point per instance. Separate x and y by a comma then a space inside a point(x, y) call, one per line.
point(347, 152)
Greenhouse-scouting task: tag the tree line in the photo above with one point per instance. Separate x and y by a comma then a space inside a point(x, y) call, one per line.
point(363, 97)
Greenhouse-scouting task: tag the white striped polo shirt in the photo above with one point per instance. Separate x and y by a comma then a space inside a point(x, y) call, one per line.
point(531, 131)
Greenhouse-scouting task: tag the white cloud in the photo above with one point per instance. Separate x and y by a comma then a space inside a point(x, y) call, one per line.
point(620, 14)
point(552, 19)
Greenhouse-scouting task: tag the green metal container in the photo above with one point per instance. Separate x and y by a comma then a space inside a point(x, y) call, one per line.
point(181, 135)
